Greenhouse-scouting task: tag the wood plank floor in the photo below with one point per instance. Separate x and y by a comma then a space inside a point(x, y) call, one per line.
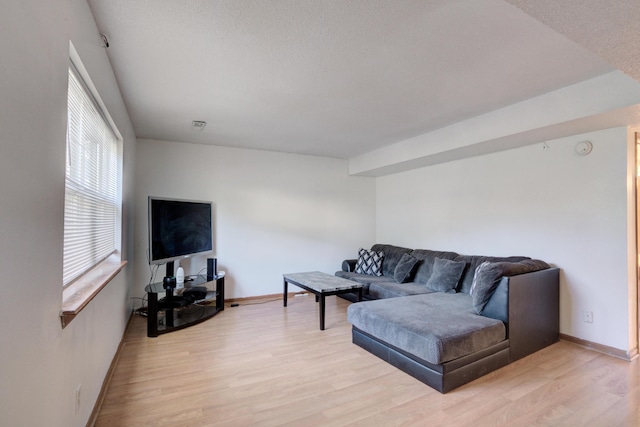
point(266, 365)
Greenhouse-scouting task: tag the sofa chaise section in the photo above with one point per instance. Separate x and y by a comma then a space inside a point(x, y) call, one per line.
point(520, 318)
point(434, 327)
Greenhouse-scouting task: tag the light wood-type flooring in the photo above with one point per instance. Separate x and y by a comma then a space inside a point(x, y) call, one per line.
point(266, 365)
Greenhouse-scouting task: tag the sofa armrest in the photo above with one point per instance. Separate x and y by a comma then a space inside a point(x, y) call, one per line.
point(498, 305)
point(349, 265)
point(534, 311)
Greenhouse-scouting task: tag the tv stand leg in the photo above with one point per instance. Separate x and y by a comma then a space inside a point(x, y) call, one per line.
point(168, 313)
point(152, 314)
point(220, 290)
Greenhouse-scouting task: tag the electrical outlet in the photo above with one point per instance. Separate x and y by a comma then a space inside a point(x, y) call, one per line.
point(588, 316)
point(77, 399)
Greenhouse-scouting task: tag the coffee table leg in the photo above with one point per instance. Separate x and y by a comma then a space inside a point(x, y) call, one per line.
point(359, 294)
point(321, 312)
point(284, 295)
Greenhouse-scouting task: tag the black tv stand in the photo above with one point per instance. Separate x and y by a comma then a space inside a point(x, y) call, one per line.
point(174, 312)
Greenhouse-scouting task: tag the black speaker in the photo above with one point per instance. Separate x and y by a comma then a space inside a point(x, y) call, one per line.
point(169, 282)
point(212, 268)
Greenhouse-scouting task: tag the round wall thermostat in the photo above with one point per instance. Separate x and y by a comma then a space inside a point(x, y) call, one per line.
point(583, 148)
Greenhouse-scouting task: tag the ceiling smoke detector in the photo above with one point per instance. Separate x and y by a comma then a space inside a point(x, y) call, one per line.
point(198, 125)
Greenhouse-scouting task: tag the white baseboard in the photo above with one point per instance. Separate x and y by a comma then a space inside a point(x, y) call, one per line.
point(611, 351)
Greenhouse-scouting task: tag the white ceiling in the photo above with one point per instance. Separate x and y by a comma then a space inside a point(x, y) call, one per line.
point(610, 29)
point(330, 77)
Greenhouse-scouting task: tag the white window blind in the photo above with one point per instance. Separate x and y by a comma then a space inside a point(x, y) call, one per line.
point(92, 184)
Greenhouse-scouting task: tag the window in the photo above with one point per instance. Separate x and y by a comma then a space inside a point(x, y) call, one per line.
point(92, 208)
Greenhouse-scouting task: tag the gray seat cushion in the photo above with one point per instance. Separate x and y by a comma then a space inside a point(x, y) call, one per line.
point(364, 279)
point(435, 327)
point(395, 290)
point(384, 287)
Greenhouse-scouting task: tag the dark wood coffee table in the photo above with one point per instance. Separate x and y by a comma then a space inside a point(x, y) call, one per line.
point(321, 285)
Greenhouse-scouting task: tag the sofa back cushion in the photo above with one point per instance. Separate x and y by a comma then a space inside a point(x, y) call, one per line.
point(427, 259)
point(405, 269)
point(392, 255)
point(446, 275)
point(489, 274)
point(473, 261)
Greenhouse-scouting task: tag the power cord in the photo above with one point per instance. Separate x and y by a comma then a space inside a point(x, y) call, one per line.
point(236, 304)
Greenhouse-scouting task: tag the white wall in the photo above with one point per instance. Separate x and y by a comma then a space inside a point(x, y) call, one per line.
point(552, 204)
point(41, 364)
point(274, 213)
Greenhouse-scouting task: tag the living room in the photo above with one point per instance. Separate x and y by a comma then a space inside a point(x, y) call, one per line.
point(279, 212)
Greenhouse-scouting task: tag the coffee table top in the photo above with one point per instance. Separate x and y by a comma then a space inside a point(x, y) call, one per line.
point(321, 282)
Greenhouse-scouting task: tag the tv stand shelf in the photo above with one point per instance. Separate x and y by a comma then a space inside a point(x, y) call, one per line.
point(174, 312)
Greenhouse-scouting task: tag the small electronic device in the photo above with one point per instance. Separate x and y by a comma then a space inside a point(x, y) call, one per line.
point(195, 293)
point(169, 282)
point(212, 268)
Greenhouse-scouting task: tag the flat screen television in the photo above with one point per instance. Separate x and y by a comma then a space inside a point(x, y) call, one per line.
point(178, 229)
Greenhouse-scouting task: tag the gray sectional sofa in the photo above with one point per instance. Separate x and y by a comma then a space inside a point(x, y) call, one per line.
point(446, 318)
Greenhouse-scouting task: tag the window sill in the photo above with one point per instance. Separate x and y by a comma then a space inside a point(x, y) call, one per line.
point(77, 295)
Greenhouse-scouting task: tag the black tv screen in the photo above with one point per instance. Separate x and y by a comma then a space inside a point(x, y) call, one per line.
point(179, 229)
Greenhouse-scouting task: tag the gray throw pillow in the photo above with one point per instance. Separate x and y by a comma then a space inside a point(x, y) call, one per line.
point(446, 275)
point(369, 262)
point(405, 268)
point(488, 276)
point(479, 268)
